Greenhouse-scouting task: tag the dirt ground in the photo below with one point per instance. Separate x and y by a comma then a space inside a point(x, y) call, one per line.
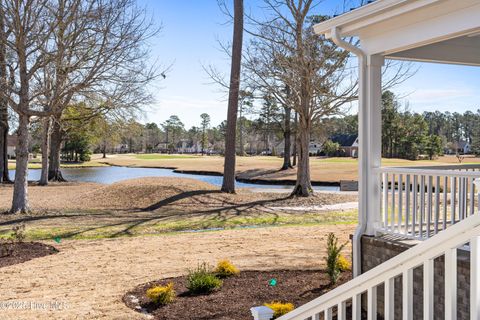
point(87, 279)
point(266, 168)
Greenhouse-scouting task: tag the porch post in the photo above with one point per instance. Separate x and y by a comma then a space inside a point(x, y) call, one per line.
point(371, 136)
point(369, 151)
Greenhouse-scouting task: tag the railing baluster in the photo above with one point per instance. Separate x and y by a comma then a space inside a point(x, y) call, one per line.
point(392, 223)
point(400, 203)
point(429, 205)
point(407, 204)
point(385, 200)
point(415, 205)
point(475, 278)
point(342, 311)
point(461, 192)
point(437, 205)
point(428, 287)
point(357, 307)
point(422, 204)
point(472, 196)
point(451, 283)
point(328, 314)
point(389, 304)
point(407, 292)
point(445, 202)
point(372, 303)
point(453, 196)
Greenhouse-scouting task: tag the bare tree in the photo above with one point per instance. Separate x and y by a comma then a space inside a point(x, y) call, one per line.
point(285, 52)
point(228, 184)
point(101, 58)
point(67, 51)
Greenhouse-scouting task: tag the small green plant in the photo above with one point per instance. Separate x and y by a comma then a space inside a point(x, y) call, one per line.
point(343, 264)
point(18, 233)
point(333, 254)
point(202, 280)
point(226, 269)
point(280, 308)
point(162, 295)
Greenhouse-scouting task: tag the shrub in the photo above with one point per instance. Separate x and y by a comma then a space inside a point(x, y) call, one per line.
point(18, 233)
point(162, 294)
point(280, 308)
point(333, 253)
point(202, 280)
point(343, 264)
point(226, 269)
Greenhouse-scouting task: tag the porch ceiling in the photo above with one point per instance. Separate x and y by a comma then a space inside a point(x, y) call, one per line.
point(463, 50)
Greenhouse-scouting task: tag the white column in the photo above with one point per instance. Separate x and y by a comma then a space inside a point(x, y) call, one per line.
point(371, 144)
point(369, 151)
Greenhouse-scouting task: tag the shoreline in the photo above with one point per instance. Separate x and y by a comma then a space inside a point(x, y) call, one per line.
point(288, 182)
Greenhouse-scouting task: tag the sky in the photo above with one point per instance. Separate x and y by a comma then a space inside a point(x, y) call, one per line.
point(189, 39)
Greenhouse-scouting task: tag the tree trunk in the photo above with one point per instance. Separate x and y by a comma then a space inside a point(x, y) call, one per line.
point(45, 150)
point(286, 138)
point(54, 173)
point(20, 190)
point(104, 150)
point(241, 147)
point(228, 184)
point(295, 140)
point(4, 176)
point(303, 186)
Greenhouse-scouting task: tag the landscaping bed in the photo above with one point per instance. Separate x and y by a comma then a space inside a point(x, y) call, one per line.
point(237, 295)
point(17, 252)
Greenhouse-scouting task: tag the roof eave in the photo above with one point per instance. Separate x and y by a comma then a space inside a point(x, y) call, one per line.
point(374, 12)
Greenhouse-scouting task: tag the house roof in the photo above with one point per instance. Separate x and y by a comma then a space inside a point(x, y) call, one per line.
point(446, 31)
point(344, 140)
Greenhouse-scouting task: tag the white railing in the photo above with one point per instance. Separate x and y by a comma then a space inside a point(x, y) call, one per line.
point(418, 202)
point(446, 243)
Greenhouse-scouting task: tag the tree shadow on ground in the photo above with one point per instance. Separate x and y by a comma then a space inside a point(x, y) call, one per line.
point(207, 208)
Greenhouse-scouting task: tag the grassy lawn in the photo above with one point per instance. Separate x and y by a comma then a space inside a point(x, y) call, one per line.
point(86, 228)
point(36, 164)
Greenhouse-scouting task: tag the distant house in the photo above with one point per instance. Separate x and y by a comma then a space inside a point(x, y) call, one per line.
point(464, 147)
point(348, 144)
point(314, 148)
point(11, 146)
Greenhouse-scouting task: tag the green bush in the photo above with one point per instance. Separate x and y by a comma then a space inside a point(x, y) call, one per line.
point(202, 280)
point(333, 254)
point(162, 295)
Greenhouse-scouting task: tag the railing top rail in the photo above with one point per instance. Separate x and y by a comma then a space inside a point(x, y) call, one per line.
point(427, 171)
point(448, 166)
point(453, 237)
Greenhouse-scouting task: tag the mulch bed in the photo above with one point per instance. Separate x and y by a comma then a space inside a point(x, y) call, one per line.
point(17, 252)
point(237, 295)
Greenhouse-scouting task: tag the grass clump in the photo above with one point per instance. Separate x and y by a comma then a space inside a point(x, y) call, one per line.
point(202, 280)
point(162, 295)
point(333, 254)
point(343, 264)
point(226, 269)
point(280, 308)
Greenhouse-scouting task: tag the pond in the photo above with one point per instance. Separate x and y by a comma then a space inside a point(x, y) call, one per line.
point(108, 175)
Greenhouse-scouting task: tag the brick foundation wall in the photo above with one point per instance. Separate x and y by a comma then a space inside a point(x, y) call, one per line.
point(376, 250)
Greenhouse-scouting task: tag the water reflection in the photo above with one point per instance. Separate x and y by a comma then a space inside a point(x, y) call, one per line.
point(108, 175)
